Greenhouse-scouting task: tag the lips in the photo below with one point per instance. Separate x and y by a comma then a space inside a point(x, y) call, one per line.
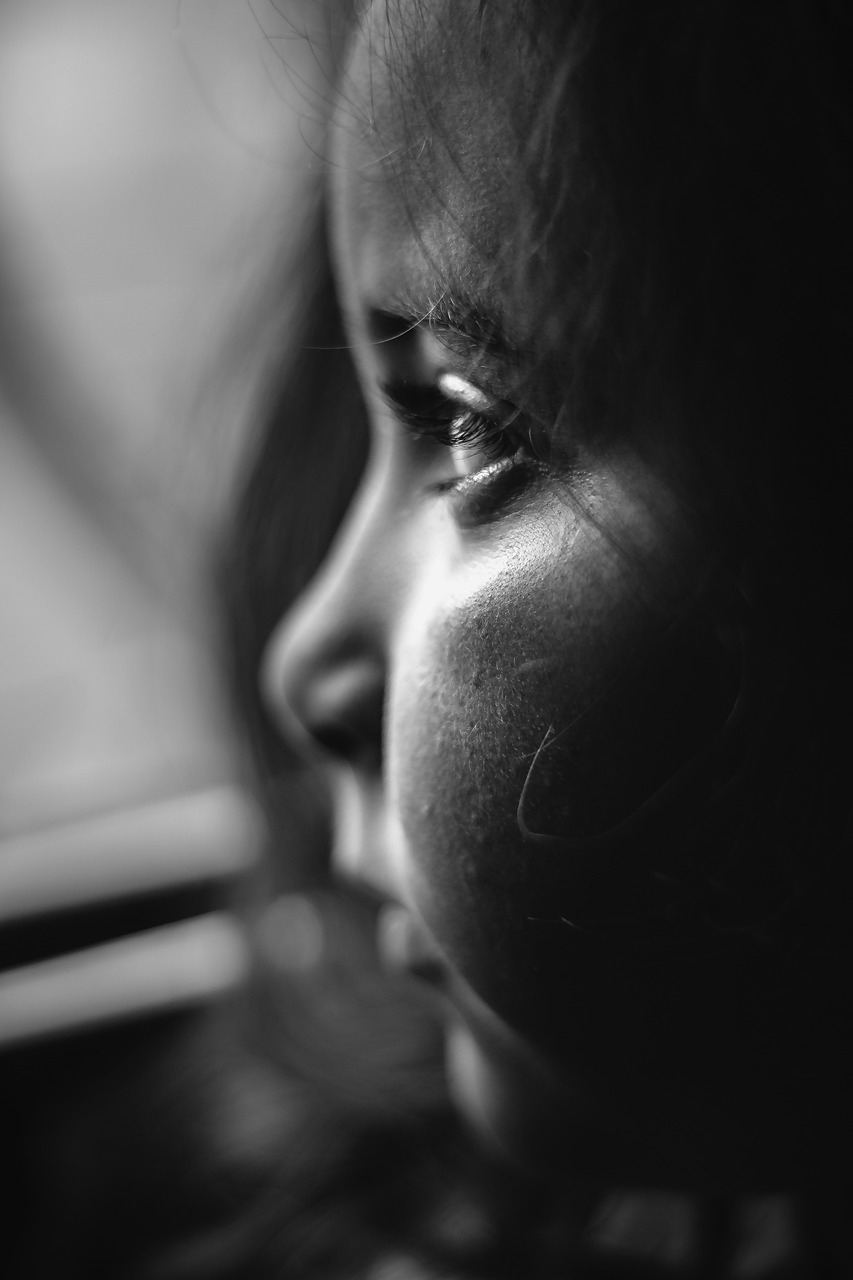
point(405, 946)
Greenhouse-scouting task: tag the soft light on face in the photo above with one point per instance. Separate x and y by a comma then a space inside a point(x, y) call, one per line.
point(502, 645)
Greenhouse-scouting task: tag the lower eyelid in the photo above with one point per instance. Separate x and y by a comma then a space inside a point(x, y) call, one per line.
point(461, 484)
point(493, 492)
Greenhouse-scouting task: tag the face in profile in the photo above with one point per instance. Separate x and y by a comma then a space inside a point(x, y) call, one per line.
point(509, 653)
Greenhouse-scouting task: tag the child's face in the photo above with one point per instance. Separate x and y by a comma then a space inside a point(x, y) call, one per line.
point(527, 630)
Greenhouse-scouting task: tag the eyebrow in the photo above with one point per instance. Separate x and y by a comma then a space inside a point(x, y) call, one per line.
point(452, 316)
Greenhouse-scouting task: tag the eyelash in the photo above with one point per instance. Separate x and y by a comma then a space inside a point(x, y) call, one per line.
point(428, 412)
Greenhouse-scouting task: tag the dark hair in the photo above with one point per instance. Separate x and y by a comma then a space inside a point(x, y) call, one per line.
point(703, 157)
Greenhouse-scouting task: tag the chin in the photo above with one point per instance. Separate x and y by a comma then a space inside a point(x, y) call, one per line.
point(520, 1109)
point(546, 1123)
point(473, 1087)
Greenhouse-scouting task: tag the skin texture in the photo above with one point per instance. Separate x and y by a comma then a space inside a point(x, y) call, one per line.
point(500, 673)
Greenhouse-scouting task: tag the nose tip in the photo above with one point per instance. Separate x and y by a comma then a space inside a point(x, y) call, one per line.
point(327, 695)
point(326, 700)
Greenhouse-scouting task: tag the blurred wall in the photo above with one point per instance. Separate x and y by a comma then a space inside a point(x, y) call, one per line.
point(153, 168)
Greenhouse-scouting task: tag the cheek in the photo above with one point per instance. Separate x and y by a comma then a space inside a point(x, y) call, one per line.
point(532, 691)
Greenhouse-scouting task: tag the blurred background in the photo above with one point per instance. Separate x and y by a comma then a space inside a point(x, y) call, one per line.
point(155, 159)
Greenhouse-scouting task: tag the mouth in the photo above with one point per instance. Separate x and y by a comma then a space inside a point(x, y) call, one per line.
point(404, 946)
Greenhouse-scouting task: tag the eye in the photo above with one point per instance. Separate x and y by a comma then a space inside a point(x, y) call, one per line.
point(479, 430)
point(483, 430)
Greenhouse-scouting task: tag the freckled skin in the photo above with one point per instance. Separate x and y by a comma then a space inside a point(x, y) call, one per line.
point(493, 637)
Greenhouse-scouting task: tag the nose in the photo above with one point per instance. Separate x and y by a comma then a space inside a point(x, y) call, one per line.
point(323, 673)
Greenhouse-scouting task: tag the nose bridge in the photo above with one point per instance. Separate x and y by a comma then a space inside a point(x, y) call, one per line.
point(324, 669)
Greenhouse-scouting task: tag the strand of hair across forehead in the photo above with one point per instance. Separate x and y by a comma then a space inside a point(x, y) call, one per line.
point(411, 326)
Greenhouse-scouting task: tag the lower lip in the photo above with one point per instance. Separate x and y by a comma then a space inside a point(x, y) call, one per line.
point(404, 946)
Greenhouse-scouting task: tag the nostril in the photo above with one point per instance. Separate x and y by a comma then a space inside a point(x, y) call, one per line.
point(331, 702)
point(339, 741)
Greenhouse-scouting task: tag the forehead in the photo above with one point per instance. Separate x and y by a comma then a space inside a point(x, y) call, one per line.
point(432, 151)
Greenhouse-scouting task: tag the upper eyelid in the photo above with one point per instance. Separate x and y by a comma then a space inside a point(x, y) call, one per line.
point(471, 398)
point(468, 395)
point(502, 412)
point(407, 346)
point(463, 393)
point(453, 396)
